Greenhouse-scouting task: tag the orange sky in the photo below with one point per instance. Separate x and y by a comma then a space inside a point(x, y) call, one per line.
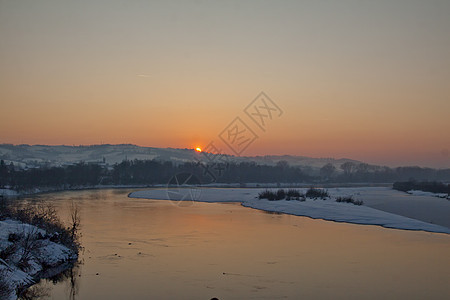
point(367, 81)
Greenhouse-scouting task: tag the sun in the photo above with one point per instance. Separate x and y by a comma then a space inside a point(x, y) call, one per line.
point(198, 149)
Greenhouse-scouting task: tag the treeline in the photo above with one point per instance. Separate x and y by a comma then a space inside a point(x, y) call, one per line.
point(74, 175)
point(148, 172)
point(427, 186)
point(362, 172)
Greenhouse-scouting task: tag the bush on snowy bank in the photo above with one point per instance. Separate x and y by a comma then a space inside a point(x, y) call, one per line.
point(293, 194)
point(317, 193)
point(312, 193)
point(349, 199)
point(281, 194)
point(44, 216)
point(33, 240)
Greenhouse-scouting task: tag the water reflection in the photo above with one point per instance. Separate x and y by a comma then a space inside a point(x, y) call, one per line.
point(35, 292)
point(149, 249)
point(69, 277)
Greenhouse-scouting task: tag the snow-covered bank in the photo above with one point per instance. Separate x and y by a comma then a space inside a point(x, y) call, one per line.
point(8, 193)
point(318, 209)
point(341, 212)
point(26, 252)
point(423, 193)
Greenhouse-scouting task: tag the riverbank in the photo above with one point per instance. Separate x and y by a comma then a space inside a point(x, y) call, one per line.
point(27, 252)
point(382, 206)
point(34, 244)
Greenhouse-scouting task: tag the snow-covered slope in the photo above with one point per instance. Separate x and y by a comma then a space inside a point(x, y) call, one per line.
point(38, 155)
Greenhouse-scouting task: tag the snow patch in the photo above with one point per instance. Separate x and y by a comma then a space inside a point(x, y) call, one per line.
point(327, 209)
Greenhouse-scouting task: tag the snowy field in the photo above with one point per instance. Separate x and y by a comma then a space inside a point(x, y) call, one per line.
point(382, 206)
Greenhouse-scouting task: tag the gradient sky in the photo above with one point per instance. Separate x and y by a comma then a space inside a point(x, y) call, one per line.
point(368, 80)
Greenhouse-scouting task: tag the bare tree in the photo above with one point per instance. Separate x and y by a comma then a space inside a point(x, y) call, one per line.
point(28, 244)
point(348, 167)
point(75, 222)
point(327, 171)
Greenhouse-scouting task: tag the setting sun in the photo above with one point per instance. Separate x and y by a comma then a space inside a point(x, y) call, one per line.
point(320, 121)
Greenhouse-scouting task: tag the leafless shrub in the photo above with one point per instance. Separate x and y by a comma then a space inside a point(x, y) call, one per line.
point(71, 236)
point(6, 253)
point(75, 220)
point(45, 216)
point(5, 288)
point(349, 199)
point(28, 245)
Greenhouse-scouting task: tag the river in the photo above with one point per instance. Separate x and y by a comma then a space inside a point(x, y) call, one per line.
point(153, 249)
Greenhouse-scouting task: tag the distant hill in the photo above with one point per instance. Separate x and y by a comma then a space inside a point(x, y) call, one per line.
point(30, 156)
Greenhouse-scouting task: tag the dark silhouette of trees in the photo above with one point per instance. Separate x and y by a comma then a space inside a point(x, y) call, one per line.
point(327, 171)
point(427, 186)
point(4, 172)
point(348, 168)
point(149, 172)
